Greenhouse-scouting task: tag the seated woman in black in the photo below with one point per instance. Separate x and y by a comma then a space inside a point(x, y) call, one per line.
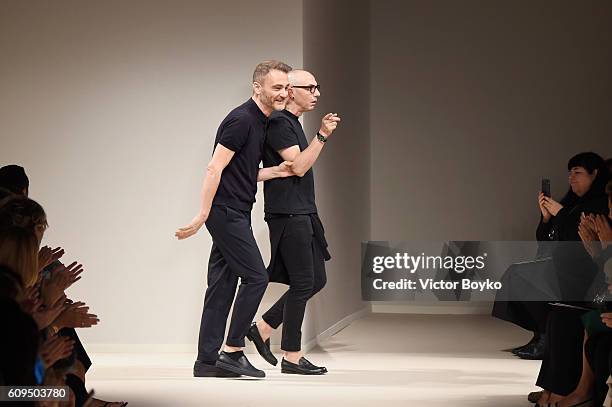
point(575, 367)
point(588, 175)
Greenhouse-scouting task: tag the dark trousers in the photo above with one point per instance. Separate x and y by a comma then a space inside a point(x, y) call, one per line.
point(234, 255)
point(598, 348)
point(305, 265)
point(562, 364)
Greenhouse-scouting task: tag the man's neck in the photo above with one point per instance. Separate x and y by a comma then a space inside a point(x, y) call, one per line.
point(293, 108)
point(267, 111)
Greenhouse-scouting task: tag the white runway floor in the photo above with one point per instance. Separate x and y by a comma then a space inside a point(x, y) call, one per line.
point(381, 360)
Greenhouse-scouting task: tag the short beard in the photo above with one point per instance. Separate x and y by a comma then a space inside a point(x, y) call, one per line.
point(267, 101)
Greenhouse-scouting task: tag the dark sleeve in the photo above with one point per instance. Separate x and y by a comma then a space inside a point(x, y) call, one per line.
point(544, 229)
point(234, 133)
point(564, 223)
point(568, 220)
point(280, 134)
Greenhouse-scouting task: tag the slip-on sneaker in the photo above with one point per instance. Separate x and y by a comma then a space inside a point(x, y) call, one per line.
point(201, 369)
point(242, 366)
point(302, 367)
point(263, 347)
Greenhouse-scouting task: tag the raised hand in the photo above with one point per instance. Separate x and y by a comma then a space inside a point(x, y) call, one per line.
point(75, 316)
point(192, 228)
point(552, 206)
point(44, 317)
point(60, 278)
point(46, 256)
point(71, 274)
point(546, 215)
point(329, 123)
point(603, 230)
point(588, 236)
point(30, 300)
point(55, 348)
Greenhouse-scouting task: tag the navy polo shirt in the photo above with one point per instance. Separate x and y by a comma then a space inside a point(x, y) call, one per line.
point(242, 131)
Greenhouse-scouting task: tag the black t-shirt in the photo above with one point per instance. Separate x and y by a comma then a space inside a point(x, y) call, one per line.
point(290, 195)
point(242, 131)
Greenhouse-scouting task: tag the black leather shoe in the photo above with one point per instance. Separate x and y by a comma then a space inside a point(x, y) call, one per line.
point(302, 367)
point(310, 365)
point(523, 347)
point(262, 347)
point(201, 369)
point(242, 366)
point(535, 351)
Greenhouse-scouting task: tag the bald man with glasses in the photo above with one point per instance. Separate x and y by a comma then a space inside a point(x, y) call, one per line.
point(299, 249)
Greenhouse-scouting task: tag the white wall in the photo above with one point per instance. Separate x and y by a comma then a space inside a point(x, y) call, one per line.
point(112, 107)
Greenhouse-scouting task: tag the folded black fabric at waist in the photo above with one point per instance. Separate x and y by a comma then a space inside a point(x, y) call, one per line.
point(317, 228)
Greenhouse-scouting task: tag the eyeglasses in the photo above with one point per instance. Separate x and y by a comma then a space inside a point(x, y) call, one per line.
point(311, 88)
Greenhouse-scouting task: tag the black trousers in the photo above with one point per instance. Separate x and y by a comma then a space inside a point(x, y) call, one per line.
point(598, 350)
point(562, 363)
point(234, 255)
point(305, 264)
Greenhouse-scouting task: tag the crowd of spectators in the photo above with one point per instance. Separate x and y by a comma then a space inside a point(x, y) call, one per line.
point(39, 345)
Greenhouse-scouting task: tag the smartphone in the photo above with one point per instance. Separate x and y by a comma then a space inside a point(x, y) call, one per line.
point(546, 187)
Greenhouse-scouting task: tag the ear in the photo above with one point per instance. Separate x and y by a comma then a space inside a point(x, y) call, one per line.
point(595, 171)
point(290, 92)
point(256, 88)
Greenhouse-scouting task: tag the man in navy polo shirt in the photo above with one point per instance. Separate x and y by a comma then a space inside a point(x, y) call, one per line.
point(227, 196)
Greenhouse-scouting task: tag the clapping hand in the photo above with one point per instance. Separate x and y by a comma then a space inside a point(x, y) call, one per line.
point(588, 235)
point(75, 316)
point(46, 256)
point(55, 348)
point(603, 229)
point(44, 317)
point(30, 301)
point(61, 277)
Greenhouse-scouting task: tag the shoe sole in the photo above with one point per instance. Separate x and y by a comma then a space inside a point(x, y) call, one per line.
point(240, 371)
point(227, 375)
point(290, 371)
point(530, 357)
point(260, 352)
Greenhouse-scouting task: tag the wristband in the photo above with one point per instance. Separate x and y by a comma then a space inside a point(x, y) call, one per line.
point(321, 137)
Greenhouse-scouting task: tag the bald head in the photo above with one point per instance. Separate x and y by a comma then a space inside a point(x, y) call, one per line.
point(303, 93)
point(299, 77)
